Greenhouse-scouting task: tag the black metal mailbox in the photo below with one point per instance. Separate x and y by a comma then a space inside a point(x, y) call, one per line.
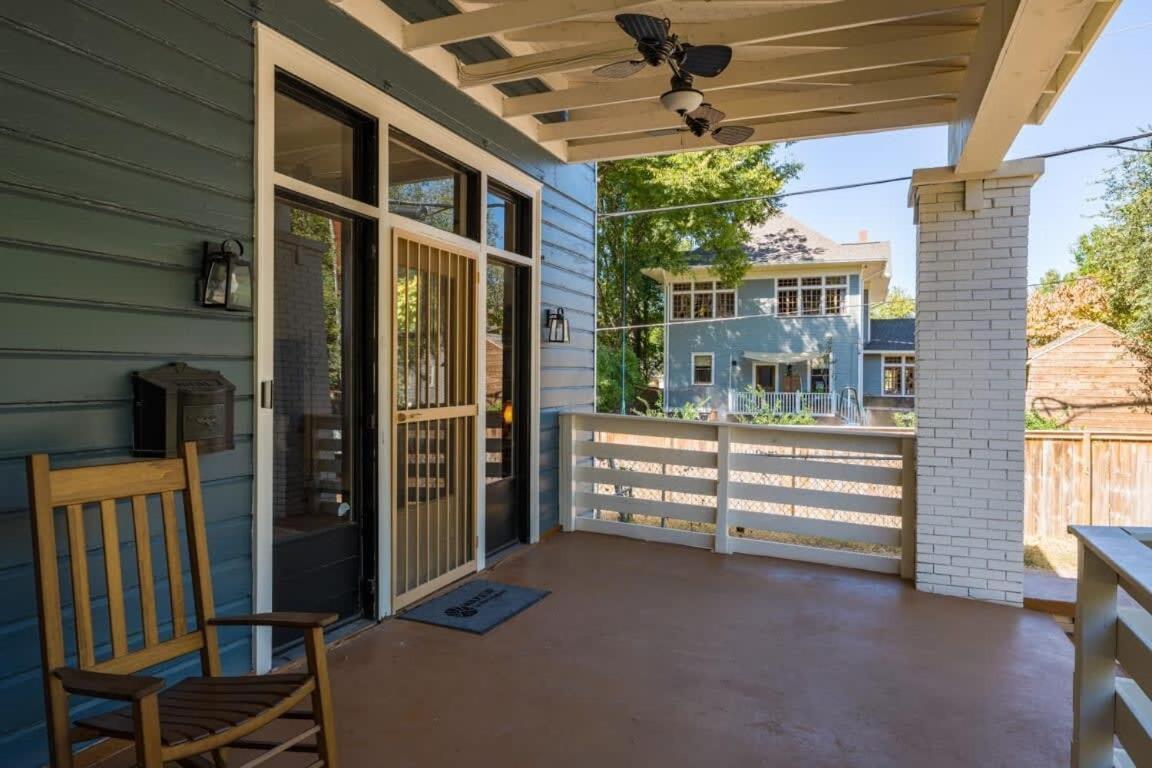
point(176, 403)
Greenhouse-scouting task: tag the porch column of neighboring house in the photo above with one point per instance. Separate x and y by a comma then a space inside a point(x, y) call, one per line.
point(971, 296)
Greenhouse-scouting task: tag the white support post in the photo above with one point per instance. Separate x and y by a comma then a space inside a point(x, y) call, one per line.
point(723, 462)
point(1094, 683)
point(971, 353)
point(567, 489)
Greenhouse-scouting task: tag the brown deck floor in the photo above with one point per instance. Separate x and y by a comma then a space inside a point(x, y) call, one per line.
point(656, 655)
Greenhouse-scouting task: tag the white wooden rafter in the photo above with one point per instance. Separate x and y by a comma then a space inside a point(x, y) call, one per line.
point(763, 28)
point(802, 66)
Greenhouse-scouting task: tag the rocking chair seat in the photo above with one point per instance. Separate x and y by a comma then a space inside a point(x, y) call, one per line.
point(198, 707)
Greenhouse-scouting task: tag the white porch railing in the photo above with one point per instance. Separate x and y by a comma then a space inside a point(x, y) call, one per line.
point(1107, 704)
point(815, 403)
point(734, 487)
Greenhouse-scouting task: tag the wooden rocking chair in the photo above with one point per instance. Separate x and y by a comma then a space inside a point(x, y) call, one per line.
point(197, 715)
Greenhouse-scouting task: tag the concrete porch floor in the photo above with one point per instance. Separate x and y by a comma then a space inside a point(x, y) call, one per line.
point(657, 655)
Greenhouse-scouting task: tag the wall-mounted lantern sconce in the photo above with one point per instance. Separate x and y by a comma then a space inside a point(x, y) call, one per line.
point(557, 326)
point(226, 278)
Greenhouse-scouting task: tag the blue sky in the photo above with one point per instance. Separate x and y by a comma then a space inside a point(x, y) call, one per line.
point(1109, 97)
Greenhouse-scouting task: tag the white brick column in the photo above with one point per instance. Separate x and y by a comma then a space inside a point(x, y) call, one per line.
point(971, 350)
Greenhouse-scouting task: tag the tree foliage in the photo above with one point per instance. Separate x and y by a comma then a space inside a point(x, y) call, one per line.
point(1060, 305)
point(899, 304)
point(629, 245)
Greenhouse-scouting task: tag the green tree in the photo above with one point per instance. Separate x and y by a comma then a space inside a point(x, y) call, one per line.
point(1117, 253)
point(899, 304)
point(629, 245)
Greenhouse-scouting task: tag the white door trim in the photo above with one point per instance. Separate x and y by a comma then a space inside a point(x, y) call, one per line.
point(276, 52)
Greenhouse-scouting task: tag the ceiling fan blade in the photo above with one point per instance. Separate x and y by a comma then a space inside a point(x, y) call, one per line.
point(643, 28)
point(705, 60)
point(733, 134)
point(667, 131)
point(620, 69)
point(707, 113)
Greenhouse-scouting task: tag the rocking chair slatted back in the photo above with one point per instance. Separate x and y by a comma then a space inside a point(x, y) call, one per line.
point(81, 490)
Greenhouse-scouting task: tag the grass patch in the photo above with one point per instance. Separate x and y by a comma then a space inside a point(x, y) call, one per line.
point(1055, 555)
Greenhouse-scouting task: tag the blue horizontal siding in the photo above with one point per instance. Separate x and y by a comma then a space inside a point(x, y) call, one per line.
point(127, 135)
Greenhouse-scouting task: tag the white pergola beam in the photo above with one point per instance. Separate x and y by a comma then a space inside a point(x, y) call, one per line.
point(504, 18)
point(782, 25)
point(808, 128)
point(606, 31)
point(809, 65)
point(1020, 45)
point(905, 89)
point(389, 26)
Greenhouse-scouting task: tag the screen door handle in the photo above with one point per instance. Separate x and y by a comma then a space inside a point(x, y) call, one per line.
point(266, 394)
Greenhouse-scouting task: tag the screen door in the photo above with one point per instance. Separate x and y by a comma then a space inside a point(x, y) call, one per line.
point(435, 411)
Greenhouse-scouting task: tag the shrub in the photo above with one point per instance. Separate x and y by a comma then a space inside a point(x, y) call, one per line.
point(1035, 420)
point(906, 419)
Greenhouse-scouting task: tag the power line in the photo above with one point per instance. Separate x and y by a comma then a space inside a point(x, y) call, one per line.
point(1109, 144)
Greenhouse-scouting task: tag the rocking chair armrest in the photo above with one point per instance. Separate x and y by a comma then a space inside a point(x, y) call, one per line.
point(284, 619)
point(103, 685)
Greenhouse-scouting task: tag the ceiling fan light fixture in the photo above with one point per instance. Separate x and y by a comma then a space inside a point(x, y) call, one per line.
point(682, 100)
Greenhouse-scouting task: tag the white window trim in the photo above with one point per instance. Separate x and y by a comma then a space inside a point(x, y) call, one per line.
point(276, 52)
point(903, 365)
point(716, 290)
point(823, 288)
point(711, 369)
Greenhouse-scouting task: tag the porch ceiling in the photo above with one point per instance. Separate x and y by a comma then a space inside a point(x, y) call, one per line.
point(801, 68)
point(653, 654)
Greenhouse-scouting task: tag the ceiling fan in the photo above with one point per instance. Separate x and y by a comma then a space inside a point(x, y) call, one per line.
point(657, 45)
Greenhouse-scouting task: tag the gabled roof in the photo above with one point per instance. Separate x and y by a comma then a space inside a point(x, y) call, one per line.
point(784, 239)
point(1071, 336)
point(897, 335)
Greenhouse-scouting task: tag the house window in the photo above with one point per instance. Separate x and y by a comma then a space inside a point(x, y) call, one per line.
point(509, 220)
point(787, 296)
point(702, 369)
point(681, 301)
point(323, 143)
point(702, 301)
point(811, 296)
point(819, 380)
point(432, 188)
point(900, 375)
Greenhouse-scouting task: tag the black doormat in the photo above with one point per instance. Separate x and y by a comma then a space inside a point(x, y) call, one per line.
point(476, 607)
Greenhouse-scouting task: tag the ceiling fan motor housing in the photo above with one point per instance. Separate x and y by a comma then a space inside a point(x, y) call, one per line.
point(682, 98)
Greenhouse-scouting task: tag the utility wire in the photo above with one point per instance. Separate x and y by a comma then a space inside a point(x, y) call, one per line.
point(1109, 144)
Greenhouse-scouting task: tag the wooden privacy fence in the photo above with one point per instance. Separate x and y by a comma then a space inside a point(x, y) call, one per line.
point(744, 488)
point(1086, 478)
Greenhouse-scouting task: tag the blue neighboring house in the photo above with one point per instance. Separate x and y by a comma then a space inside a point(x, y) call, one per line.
point(794, 335)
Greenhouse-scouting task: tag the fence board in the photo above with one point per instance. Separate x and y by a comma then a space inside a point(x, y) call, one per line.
point(1086, 478)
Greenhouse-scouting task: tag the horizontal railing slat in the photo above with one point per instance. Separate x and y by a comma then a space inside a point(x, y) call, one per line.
point(813, 526)
point(823, 470)
point(646, 532)
point(841, 557)
point(1134, 721)
point(694, 513)
point(640, 425)
point(701, 486)
point(1134, 645)
point(805, 497)
point(644, 453)
point(1125, 555)
point(870, 444)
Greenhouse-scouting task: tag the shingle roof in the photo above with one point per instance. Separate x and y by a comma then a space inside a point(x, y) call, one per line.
point(785, 240)
point(893, 335)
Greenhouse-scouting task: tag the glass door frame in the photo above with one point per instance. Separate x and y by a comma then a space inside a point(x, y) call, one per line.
point(276, 52)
